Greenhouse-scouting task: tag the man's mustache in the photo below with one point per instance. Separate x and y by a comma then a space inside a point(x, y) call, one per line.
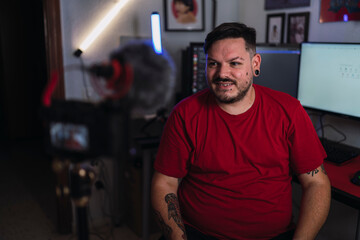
point(222, 80)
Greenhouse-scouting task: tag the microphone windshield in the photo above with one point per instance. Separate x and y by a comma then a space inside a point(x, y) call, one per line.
point(153, 76)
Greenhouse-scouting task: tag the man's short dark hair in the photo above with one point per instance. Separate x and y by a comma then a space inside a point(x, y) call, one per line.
point(232, 30)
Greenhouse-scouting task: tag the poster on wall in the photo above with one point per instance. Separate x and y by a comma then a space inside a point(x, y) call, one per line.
point(339, 10)
point(278, 4)
point(184, 15)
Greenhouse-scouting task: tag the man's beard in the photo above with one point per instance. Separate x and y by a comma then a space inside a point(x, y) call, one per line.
point(227, 99)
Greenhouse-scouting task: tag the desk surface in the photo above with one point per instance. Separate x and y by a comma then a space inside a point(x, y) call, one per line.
point(340, 176)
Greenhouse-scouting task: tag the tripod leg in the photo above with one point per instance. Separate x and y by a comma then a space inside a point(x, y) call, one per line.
point(81, 180)
point(82, 223)
point(64, 207)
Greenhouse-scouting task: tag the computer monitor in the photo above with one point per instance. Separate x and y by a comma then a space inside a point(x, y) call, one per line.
point(329, 78)
point(279, 67)
point(193, 69)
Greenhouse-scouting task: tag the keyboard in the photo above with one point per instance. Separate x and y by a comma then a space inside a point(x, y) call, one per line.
point(339, 153)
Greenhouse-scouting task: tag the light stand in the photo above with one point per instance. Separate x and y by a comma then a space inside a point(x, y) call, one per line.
point(81, 180)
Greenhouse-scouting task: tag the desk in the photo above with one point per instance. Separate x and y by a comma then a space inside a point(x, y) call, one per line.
point(343, 190)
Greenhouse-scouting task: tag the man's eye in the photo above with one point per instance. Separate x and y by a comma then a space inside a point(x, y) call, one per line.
point(212, 64)
point(235, 64)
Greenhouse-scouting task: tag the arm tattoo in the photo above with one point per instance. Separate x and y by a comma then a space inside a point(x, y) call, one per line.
point(315, 171)
point(174, 211)
point(165, 229)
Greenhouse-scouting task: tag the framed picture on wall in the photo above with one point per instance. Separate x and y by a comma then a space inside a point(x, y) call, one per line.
point(298, 27)
point(341, 11)
point(279, 4)
point(275, 28)
point(184, 15)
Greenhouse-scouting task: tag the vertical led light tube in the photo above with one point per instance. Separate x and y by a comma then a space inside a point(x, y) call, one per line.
point(156, 32)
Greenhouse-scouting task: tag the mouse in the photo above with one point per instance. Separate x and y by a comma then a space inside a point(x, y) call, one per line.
point(356, 178)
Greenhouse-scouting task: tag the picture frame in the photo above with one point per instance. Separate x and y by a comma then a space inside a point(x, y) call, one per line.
point(298, 27)
point(342, 11)
point(184, 15)
point(275, 28)
point(281, 4)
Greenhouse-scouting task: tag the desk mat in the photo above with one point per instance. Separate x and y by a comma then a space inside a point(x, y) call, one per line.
point(340, 175)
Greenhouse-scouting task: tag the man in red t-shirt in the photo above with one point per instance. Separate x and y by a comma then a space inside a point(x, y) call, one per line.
point(227, 154)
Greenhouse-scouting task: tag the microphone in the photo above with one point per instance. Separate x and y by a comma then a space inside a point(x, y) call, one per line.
point(136, 71)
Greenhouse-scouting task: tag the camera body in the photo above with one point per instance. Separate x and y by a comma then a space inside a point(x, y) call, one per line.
point(78, 130)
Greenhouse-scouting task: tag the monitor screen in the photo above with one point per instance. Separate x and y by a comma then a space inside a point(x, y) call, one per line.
point(329, 77)
point(279, 68)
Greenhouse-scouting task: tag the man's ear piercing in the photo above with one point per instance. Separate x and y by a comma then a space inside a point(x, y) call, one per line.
point(257, 72)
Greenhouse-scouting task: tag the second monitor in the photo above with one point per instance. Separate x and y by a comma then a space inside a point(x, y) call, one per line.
point(279, 68)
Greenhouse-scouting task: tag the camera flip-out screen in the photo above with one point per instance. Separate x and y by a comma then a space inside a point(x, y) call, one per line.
point(73, 137)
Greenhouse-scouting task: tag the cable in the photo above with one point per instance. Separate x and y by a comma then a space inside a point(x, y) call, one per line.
point(84, 78)
point(322, 128)
point(338, 131)
point(106, 196)
point(107, 233)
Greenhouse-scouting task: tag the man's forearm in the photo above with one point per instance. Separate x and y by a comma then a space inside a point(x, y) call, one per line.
point(166, 206)
point(169, 215)
point(315, 204)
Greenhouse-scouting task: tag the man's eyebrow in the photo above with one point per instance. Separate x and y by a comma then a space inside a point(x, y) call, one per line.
point(211, 59)
point(230, 60)
point(236, 58)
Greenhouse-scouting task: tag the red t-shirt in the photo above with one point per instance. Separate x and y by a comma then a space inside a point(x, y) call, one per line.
point(237, 169)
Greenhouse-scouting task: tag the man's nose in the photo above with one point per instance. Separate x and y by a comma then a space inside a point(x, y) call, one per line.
point(224, 71)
